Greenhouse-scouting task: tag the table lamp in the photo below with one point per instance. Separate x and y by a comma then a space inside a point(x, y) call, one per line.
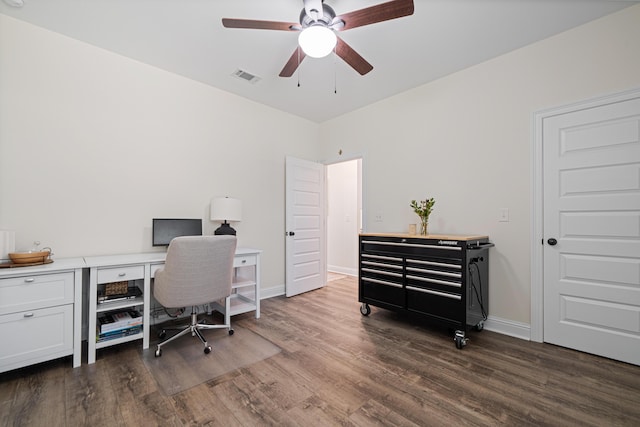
point(225, 209)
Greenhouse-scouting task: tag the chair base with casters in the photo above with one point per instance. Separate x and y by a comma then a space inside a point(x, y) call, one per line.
point(195, 327)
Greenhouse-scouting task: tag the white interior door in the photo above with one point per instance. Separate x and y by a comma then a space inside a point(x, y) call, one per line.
point(305, 226)
point(592, 229)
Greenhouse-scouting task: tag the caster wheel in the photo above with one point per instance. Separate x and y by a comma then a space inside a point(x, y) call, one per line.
point(207, 349)
point(158, 353)
point(230, 331)
point(459, 342)
point(162, 334)
point(365, 310)
point(479, 326)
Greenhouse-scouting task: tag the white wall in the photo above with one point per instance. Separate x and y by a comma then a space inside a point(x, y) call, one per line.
point(466, 141)
point(343, 217)
point(94, 145)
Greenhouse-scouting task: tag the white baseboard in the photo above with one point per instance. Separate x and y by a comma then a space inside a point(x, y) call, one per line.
point(508, 327)
point(343, 270)
point(274, 291)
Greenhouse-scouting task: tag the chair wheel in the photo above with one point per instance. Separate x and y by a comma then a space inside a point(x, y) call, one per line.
point(158, 353)
point(207, 349)
point(162, 334)
point(230, 331)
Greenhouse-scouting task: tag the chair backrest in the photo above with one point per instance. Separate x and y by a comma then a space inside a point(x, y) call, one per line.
point(198, 270)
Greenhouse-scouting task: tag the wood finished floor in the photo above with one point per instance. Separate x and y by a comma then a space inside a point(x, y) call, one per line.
point(337, 367)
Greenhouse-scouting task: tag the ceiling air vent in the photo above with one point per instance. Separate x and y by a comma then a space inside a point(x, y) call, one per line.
point(243, 75)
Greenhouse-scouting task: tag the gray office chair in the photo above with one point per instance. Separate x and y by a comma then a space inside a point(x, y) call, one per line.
point(198, 270)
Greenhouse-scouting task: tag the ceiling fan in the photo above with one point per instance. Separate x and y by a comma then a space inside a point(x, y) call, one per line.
point(318, 21)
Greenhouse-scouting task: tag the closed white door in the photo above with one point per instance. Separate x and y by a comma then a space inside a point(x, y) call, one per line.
point(592, 229)
point(305, 226)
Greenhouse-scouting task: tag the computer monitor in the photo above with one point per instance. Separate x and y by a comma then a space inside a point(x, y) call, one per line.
point(165, 229)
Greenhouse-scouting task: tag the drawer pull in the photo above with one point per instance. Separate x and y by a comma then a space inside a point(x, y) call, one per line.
point(388, 258)
point(439, 282)
point(29, 280)
point(382, 282)
point(429, 291)
point(437, 264)
point(244, 261)
point(122, 274)
point(436, 272)
point(379, 264)
point(28, 315)
point(386, 273)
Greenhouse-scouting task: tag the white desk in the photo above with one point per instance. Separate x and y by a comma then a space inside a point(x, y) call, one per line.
point(41, 313)
point(141, 269)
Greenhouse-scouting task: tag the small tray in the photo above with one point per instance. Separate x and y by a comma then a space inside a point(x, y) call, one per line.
point(13, 264)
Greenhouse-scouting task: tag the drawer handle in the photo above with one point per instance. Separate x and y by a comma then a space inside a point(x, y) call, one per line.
point(244, 261)
point(28, 315)
point(122, 274)
point(29, 280)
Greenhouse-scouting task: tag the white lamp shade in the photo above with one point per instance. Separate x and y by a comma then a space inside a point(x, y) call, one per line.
point(317, 41)
point(226, 209)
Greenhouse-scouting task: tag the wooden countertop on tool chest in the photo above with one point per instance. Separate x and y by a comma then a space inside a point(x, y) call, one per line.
point(428, 236)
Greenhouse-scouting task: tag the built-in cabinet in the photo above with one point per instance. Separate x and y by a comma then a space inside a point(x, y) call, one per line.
point(443, 279)
point(40, 313)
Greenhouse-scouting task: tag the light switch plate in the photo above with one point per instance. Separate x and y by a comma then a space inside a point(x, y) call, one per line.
point(503, 215)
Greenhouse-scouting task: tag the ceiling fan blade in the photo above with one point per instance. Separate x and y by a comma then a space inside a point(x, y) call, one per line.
point(353, 58)
point(378, 13)
point(260, 25)
point(292, 64)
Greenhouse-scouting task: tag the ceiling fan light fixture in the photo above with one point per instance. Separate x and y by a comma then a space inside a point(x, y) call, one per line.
point(317, 41)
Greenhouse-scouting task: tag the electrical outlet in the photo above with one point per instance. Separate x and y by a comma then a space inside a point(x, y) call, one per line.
point(503, 215)
point(378, 217)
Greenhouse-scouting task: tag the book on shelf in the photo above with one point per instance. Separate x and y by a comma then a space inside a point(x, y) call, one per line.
point(112, 335)
point(117, 320)
point(132, 293)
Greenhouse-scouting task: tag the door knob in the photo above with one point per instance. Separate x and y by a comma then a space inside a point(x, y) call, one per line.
point(291, 233)
point(552, 241)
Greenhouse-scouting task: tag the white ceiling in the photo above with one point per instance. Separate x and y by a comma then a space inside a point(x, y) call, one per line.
point(186, 37)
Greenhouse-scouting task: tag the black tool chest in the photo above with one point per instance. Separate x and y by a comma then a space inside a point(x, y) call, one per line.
point(442, 278)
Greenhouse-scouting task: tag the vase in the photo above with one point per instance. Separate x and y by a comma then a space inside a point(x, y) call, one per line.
point(423, 227)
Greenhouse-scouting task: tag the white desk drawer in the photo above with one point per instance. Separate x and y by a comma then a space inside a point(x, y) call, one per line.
point(117, 274)
point(241, 261)
point(34, 336)
point(31, 292)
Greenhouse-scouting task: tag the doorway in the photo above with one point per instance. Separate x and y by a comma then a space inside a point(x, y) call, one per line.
point(344, 216)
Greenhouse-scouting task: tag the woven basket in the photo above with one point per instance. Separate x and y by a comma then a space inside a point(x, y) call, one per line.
point(116, 288)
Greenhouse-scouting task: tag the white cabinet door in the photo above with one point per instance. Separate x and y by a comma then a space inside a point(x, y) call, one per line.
point(33, 336)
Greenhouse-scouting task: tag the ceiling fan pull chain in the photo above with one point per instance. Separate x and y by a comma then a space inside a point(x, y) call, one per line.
point(335, 72)
point(298, 68)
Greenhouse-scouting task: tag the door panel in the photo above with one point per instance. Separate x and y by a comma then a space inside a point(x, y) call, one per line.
point(305, 225)
point(592, 208)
